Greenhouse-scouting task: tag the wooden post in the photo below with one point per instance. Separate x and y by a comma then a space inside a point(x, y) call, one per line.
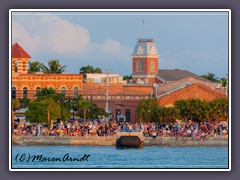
point(84, 116)
point(48, 115)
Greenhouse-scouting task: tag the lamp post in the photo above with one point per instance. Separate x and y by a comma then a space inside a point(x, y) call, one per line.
point(48, 115)
point(73, 103)
point(149, 111)
point(61, 105)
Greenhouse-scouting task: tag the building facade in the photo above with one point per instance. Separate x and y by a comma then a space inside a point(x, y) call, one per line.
point(145, 62)
point(148, 81)
point(25, 85)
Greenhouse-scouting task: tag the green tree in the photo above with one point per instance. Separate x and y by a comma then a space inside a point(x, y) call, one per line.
point(211, 77)
point(95, 111)
point(224, 81)
point(84, 106)
point(43, 110)
point(89, 69)
point(219, 109)
point(46, 93)
point(15, 104)
point(147, 110)
point(194, 109)
point(167, 114)
point(127, 77)
point(24, 102)
point(54, 67)
point(35, 66)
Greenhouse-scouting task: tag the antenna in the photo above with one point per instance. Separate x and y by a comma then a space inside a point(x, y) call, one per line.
point(142, 27)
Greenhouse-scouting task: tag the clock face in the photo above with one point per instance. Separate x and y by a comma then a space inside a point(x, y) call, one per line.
point(152, 50)
point(140, 50)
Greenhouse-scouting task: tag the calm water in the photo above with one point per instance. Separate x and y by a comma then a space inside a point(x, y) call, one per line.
point(110, 157)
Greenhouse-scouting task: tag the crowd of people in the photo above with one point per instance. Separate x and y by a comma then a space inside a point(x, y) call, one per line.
point(197, 131)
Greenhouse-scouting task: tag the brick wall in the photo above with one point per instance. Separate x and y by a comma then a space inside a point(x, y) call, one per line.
point(56, 81)
point(196, 90)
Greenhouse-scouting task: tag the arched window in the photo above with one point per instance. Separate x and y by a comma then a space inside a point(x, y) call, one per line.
point(13, 93)
point(24, 65)
point(25, 92)
point(75, 91)
point(63, 91)
point(38, 89)
point(152, 66)
point(15, 66)
point(140, 65)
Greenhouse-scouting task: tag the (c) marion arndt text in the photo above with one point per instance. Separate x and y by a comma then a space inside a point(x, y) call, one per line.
point(27, 157)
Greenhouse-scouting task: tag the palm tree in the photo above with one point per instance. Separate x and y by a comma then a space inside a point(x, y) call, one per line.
point(15, 104)
point(54, 67)
point(84, 105)
point(35, 66)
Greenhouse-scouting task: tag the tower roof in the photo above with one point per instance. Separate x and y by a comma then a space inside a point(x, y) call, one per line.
point(145, 46)
point(19, 52)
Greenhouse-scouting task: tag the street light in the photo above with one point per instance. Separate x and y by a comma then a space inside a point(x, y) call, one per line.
point(73, 106)
point(61, 100)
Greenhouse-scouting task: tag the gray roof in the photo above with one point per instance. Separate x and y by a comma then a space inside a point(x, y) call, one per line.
point(182, 83)
point(177, 74)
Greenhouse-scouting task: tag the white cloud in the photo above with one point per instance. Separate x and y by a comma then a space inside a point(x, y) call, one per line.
point(21, 35)
point(52, 34)
point(114, 48)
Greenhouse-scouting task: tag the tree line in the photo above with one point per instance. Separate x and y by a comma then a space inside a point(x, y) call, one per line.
point(190, 109)
point(54, 67)
point(51, 105)
point(212, 77)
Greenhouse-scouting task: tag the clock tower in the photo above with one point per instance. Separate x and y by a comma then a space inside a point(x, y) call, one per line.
point(145, 62)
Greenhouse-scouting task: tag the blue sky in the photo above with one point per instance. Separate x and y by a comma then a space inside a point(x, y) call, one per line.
point(194, 41)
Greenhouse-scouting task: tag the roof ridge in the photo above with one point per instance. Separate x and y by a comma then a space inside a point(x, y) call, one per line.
point(19, 52)
point(220, 93)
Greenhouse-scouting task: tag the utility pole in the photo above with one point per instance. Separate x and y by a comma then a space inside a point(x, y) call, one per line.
point(107, 91)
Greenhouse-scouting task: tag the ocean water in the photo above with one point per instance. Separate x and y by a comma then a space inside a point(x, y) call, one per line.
point(109, 157)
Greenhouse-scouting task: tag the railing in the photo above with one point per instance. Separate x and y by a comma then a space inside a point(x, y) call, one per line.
point(117, 97)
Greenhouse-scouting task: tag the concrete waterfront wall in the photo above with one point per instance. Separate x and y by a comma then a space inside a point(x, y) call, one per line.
point(103, 141)
point(171, 141)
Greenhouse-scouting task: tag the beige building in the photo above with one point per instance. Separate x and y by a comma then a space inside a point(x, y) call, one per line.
point(102, 78)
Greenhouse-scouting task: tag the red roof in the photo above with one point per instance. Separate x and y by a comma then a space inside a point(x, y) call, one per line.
point(19, 52)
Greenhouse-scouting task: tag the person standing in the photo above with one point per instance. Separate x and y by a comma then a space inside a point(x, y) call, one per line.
point(37, 130)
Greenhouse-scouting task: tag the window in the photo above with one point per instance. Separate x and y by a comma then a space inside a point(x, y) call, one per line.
point(75, 91)
point(64, 91)
point(13, 93)
point(152, 66)
point(15, 66)
point(25, 92)
point(140, 65)
point(38, 89)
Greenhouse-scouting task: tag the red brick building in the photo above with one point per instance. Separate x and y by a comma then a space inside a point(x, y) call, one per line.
point(148, 82)
point(145, 62)
point(26, 85)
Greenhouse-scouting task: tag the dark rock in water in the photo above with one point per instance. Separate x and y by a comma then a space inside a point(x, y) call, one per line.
point(129, 142)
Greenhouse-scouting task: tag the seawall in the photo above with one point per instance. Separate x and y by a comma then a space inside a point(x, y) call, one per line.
point(103, 141)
